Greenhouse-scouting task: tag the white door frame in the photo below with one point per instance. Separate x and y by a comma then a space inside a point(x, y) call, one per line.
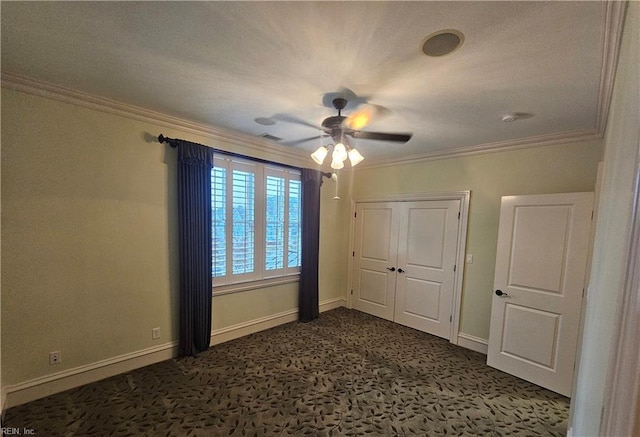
point(621, 406)
point(464, 198)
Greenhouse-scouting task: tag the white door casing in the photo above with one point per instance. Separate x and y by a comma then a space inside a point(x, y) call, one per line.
point(541, 259)
point(426, 261)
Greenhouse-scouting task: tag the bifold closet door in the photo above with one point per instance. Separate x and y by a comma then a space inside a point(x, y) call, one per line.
point(426, 265)
point(375, 255)
point(404, 260)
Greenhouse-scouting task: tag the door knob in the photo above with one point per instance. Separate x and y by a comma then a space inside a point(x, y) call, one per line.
point(400, 271)
point(391, 269)
point(501, 293)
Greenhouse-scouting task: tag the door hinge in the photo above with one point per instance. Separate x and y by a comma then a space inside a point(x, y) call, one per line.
point(355, 214)
point(458, 215)
point(591, 215)
point(353, 253)
point(454, 267)
point(352, 291)
point(450, 318)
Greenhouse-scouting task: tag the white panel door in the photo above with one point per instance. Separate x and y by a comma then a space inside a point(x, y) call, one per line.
point(375, 257)
point(538, 286)
point(426, 260)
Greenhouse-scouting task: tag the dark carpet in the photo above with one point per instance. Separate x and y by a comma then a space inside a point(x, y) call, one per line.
point(346, 373)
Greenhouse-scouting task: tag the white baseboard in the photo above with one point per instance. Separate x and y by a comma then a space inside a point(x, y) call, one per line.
point(57, 382)
point(252, 326)
point(332, 304)
point(472, 342)
point(3, 403)
point(238, 330)
point(67, 379)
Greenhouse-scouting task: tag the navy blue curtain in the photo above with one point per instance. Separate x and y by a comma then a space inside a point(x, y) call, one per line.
point(194, 226)
point(308, 305)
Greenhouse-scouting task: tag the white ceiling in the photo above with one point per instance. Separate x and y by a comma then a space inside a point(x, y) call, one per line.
point(226, 63)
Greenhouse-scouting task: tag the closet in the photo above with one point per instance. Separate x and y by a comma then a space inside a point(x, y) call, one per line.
point(404, 262)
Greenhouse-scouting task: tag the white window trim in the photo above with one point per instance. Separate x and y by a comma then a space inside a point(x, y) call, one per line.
point(260, 277)
point(221, 290)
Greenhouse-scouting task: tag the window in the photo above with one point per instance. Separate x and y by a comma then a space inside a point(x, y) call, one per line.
point(256, 221)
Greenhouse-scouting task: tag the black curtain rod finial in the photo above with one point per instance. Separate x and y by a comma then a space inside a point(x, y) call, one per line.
point(170, 141)
point(175, 142)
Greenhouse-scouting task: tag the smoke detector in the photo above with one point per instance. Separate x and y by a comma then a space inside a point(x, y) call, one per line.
point(508, 118)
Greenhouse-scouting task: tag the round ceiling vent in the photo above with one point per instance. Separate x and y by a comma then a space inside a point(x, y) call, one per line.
point(264, 121)
point(442, 42)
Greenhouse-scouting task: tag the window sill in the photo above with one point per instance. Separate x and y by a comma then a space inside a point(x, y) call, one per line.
point(254, 285)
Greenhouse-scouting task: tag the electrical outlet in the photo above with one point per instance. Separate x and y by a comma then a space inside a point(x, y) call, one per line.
point(155, 333)
point(55, 358)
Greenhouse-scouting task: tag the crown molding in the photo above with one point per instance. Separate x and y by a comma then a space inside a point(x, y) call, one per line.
point(614, 12)
point(224, 137)
point(612, 26)
point(500, 146)
point(286, 155)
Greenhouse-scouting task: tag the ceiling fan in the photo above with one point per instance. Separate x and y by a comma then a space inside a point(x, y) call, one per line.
point(340, 127)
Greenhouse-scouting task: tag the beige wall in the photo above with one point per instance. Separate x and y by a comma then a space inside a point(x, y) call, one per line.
point(550, 169)
point(85, 237)
point(89, 244)
point(613, 232)
point(88, 230)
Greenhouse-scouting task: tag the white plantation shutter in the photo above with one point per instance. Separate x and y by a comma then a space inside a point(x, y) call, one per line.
point(256, 221)
point(219, 221)
point(274, 221)
point(243, 221)
point(294, 250)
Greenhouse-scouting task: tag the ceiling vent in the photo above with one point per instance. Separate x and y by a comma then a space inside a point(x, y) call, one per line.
point(264, 121)
point(269, 137)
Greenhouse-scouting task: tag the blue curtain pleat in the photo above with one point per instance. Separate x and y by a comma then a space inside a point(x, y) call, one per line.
point(194, 222)
point(308, 304)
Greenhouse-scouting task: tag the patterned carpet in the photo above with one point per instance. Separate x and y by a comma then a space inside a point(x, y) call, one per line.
point(346, 373)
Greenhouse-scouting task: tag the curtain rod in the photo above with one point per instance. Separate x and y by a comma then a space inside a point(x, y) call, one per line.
point(174, 142)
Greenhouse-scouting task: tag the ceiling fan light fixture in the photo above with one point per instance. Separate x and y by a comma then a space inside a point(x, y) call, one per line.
point(355, 157)
point(319, 155)
point(337, 164)
point(339, 153)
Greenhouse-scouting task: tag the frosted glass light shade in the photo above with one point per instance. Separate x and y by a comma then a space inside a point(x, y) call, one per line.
point(355, 157)
point(319, 155)
point(337, 164)
point(339, 152)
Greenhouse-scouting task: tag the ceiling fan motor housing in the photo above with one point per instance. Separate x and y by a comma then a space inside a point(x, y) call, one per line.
point(335, 127)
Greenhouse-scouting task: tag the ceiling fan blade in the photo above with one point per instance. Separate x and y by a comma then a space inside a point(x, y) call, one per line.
point(304, 140)
point(365, 114)
point(343, 93)
point(400, 138)
point(296, 120)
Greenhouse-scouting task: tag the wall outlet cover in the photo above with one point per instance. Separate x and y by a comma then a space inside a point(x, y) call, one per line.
point(55, 358)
